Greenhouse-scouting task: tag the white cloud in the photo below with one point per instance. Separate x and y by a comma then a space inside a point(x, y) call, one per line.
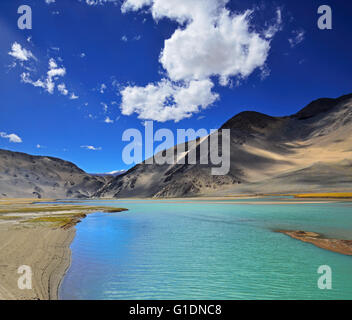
point(100, 2)
point(62, 89)
point(48, 83)
point(12, 137)
point(49, 1)
point(116, 172)
point(91, 148)
point(82, 55)
point(276, 27)
point(167, 101)
point(25, 78)
point(53, 73)
point(73, 96)
point(108, 120)
point(135, 5)
point(298, 37)
point(105, 107)
point(212, 41)
point(103, 87)
point(20, 53)
point(135, 38)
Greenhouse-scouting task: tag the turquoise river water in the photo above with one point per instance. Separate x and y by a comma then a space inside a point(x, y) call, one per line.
point(207, 250)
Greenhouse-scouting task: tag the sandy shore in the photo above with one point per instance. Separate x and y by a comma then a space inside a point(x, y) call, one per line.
point(39, 236)
point(335, 245)
point(45, 250)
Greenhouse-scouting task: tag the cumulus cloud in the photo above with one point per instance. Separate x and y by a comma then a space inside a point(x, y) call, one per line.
point(166, 100)
point(49, 1)
point(91, 148)
point(25, 78)
point(210, 42)
point(135, 5)
point(228, 49)
point(12, 137)
point(62, 89)
point(49, 80)
point(20, 53)
point(52, 76)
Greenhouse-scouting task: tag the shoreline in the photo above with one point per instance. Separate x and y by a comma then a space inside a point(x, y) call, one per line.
point(38, 236)
point(67, 267)
point(334, 245)
point(46, 250)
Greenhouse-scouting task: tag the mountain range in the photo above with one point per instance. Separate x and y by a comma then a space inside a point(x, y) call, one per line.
point(309, 151)
point(27, 176)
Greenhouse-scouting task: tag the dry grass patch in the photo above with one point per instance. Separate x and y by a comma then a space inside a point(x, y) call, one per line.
point(52, 215)
point(332, 195)
point(56, 208)
point(10, 218)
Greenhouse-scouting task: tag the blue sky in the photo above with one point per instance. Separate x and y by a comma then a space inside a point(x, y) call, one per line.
point(111, 59)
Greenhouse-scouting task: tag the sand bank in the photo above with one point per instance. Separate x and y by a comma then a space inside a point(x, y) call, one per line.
point(39, 236)
point(335, 245)
point(45, 250)
point(331, 195)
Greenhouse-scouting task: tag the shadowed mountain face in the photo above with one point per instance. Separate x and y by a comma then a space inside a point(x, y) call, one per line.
point(26, 176)
point(310, 151)
point(306, 152)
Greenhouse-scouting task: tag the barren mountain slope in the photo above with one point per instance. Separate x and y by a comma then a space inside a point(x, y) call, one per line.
point(307, 151)
point(310, 151)
point(26, 176)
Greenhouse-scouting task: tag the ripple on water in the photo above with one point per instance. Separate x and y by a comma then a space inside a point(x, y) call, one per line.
point(206, 251)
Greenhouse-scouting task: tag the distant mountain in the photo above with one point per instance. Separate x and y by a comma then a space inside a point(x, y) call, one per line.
point(309, 151)
point(27, 176)
point(110, 174)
